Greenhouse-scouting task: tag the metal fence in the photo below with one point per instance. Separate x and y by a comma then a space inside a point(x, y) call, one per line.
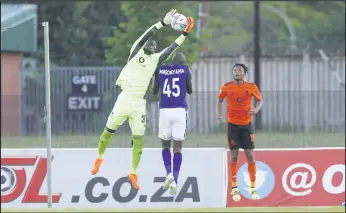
point(303, 104)
point(300, 94)
point(69, 115)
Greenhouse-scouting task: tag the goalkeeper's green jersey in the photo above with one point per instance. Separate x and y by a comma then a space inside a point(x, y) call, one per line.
point(136, 75)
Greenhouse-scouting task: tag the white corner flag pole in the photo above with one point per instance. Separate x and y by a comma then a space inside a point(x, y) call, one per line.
point(48, 112)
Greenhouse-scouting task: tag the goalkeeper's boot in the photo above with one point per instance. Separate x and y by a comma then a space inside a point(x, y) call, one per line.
point(235, 194)
point(96, 167)
point(173, 188)
point(134, 180)
point(168, 181)
point(254, 194)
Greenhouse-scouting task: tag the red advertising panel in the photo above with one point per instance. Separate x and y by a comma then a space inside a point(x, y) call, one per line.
point(293, 177)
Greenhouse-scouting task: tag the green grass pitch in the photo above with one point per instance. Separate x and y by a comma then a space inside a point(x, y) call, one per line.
point(122, 140)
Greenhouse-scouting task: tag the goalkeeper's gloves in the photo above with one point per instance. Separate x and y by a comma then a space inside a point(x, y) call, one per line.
point(168, 18)
point(189, 26)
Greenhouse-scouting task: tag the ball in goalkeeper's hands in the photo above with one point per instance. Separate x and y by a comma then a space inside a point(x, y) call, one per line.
point(179, 22)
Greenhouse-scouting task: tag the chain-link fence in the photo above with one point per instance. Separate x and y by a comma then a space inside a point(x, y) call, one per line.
point(304, 104)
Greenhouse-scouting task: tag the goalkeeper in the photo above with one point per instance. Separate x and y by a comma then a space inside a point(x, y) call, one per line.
point(134, 81)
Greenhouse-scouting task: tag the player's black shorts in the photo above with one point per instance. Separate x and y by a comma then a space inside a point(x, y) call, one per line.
point(240, 136)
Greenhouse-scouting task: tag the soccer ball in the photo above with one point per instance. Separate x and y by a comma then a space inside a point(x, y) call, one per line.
point(179, 22)
point(8, 180)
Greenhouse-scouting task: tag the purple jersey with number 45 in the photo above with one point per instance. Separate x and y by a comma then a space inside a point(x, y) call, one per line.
point(172, 81)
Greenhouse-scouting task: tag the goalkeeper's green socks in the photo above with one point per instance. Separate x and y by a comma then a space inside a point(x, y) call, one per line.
point(136, 149)
point(105, 139)
point(136, 152)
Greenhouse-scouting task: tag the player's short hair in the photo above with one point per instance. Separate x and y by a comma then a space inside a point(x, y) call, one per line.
point(179, 58)
point(246, 69)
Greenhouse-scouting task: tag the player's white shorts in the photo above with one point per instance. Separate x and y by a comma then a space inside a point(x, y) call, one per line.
point(172, 124)
point(128, 107)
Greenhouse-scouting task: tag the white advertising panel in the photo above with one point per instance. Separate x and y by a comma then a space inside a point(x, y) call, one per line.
point(201, 184)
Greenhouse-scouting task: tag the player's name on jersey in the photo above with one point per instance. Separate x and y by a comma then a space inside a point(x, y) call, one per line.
point(171, 72)
point(84, 102)
point(84, 84)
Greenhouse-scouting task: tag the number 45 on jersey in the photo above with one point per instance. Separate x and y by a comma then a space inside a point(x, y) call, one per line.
point(171, 88)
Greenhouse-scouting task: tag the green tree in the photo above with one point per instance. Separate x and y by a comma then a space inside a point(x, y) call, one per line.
point(138, 22)
point(96, 21)
point(58, 15)
point(77, 31)
point(317, 25)
point(229, 24)
point(329, 31)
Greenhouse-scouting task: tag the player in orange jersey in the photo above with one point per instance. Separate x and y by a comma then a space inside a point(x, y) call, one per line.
point(239, 95)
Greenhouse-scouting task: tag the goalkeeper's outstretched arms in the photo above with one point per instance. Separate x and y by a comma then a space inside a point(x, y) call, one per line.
point(139, 43)
point(166, 53)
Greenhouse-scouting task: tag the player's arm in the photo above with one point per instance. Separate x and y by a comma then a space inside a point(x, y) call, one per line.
point(139, 43)
point(221, 96)
point(259, 101)
point(167, 52)
point(188, 82)
point(156, 86)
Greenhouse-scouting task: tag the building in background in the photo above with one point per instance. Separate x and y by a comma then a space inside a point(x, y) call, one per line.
point(18, 36)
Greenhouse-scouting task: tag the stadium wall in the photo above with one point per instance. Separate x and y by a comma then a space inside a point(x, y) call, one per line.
point(10, 93)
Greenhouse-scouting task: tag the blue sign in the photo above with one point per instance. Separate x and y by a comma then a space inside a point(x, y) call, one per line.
point(265, 180)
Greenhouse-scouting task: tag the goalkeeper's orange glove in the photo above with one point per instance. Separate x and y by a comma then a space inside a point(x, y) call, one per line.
point(190, 24)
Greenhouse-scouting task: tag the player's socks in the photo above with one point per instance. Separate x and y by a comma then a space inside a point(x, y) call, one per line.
point(232, 168)
point(177, 159)
point(136, 152)
point(251, 166)
point(105, 139)
point(167, 160)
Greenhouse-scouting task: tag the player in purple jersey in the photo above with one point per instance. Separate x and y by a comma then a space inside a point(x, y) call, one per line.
point(173, 81)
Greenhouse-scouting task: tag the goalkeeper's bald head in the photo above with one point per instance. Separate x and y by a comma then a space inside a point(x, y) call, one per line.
point(150, 47)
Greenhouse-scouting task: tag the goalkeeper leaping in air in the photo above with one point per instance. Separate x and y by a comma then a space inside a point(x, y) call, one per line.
point(134, 81)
